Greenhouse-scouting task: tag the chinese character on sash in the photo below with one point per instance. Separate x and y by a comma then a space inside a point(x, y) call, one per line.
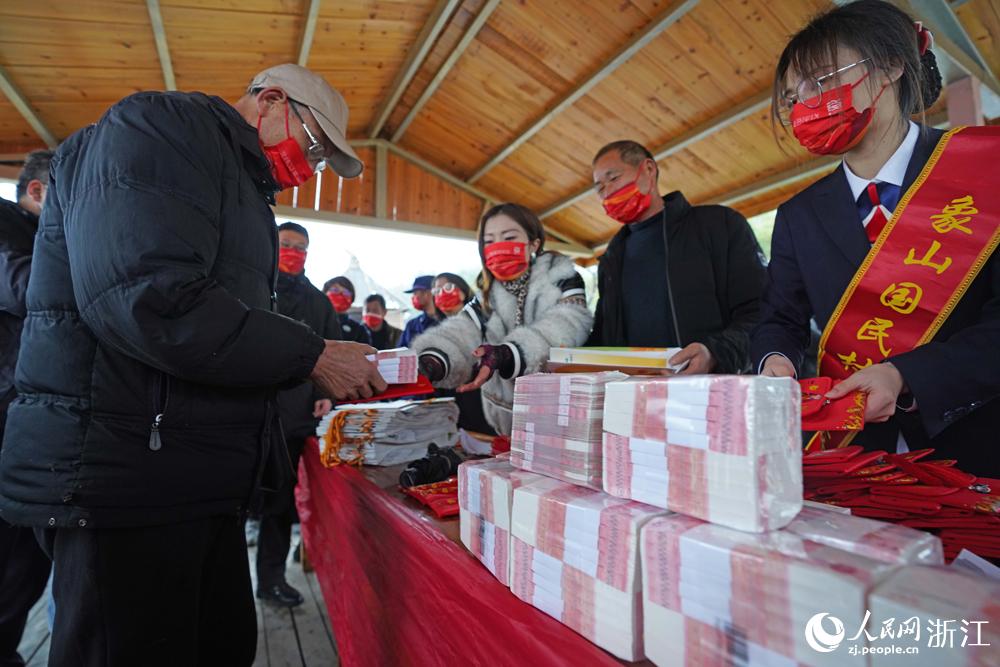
point(851, 362)
point(902, 297)
point(928, 258)
point(955, 216)
point(876, 329)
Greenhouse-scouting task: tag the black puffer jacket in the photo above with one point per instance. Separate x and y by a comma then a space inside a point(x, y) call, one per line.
point(150, 352)
point(300, 300)
point(17, 233)
point(717, 274)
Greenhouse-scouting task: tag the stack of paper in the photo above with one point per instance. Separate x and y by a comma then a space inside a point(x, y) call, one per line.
point(887, 542)
point(717, 596)
point(575, 556)
point(722, 448)
point(387, 433)
point(396, 366)
point(629, 358)
point(557, 425)
point(952, 618)
point(485, 495)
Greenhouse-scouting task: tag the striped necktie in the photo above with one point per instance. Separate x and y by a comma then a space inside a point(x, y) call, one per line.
point(876, 205)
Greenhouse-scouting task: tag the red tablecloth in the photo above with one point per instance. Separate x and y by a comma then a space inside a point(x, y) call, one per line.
point(399, 592)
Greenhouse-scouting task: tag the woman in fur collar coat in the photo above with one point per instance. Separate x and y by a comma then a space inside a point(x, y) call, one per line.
point(530, 300)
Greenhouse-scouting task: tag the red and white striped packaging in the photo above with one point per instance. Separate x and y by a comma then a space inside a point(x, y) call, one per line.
point(396, 366)
point(726, 449)
point(485, 494)
point(717, 596)
point(880, 540)
point(957, 613)
point(575, 556)
point(557, 425)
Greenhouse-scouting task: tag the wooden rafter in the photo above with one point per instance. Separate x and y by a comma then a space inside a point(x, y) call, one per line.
point(162, 50)
point(20, 103)
point(665, 19)
point(308, 32)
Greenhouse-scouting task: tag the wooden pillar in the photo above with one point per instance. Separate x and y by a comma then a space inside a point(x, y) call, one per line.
point(965, 103)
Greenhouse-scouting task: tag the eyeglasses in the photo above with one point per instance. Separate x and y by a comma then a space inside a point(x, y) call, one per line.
point(316, 152)
point(447, 287)
point(809, 92)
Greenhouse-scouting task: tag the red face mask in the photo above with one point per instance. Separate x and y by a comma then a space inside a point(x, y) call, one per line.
point(291, 260)
point(627, 204)
point(835, 126)
point(507, 260)
point(372, 321)
point(415, 300)
point(289, 165)
point(449, 300)
point(341, 302)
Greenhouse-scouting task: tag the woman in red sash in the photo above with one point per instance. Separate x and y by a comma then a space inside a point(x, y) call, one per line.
point(893, 253)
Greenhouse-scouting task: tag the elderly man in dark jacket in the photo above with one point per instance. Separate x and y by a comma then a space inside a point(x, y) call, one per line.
point(150, 359)
point(24, 567)
point(675, 275)
point(299, 407)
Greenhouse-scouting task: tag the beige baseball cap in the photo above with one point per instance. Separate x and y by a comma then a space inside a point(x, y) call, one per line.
point(326, 104)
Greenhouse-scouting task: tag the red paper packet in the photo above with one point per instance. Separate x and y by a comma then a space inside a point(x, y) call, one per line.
point(822, 414)
point(419, 388)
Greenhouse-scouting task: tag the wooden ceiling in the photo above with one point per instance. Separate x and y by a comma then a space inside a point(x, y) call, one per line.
point(514, 96)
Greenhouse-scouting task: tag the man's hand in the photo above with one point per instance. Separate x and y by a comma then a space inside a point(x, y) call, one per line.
point(322, 407)
point(778, 366)
point(883, 384)
point(343, 372)
point(699, 358)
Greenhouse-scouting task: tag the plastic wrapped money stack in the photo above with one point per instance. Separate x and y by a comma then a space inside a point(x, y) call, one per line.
point(485, 495)
point(575, 556)
point(385, 434)
point(396, 366)
point(557, 425)
point(726, 449)
point(950, 617)
point(717, 596)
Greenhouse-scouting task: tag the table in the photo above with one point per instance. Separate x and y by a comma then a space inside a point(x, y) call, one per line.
point(401, 590)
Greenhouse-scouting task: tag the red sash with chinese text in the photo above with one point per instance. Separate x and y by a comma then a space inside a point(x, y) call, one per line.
point(942, 232)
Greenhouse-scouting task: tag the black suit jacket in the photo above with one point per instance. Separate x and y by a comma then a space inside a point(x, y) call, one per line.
point(817, 247)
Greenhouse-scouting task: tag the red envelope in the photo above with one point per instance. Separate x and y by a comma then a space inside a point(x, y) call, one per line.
point(821, 414)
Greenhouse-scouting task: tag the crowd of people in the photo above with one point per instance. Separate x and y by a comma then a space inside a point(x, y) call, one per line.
point(161, 370)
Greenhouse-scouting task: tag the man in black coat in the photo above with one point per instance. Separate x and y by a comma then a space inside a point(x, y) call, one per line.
point(675, 275)
point(150, 359)
point(24, 567)
point(299, 407)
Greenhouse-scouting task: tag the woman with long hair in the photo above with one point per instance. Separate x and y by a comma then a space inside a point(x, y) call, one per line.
point(893, 253)
point(530, 300)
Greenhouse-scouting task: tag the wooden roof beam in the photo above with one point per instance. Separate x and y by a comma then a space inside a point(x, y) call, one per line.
point(451, 179)
point(162, 50)
point(20, 103)
point(665, 19)
point(415, 58)
point(308, 32)
point(463, 44)
point(747, 108)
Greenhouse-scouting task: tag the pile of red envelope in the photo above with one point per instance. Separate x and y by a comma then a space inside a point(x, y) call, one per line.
point(717, 596)
point(932, 495)
point(575, 556)
point(726, 449)
point(440, 497)
point(557, 425)
point(485, 495)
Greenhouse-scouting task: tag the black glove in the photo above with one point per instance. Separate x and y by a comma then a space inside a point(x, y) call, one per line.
point(437, 466)
point(497, 358)
point(431, 367)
